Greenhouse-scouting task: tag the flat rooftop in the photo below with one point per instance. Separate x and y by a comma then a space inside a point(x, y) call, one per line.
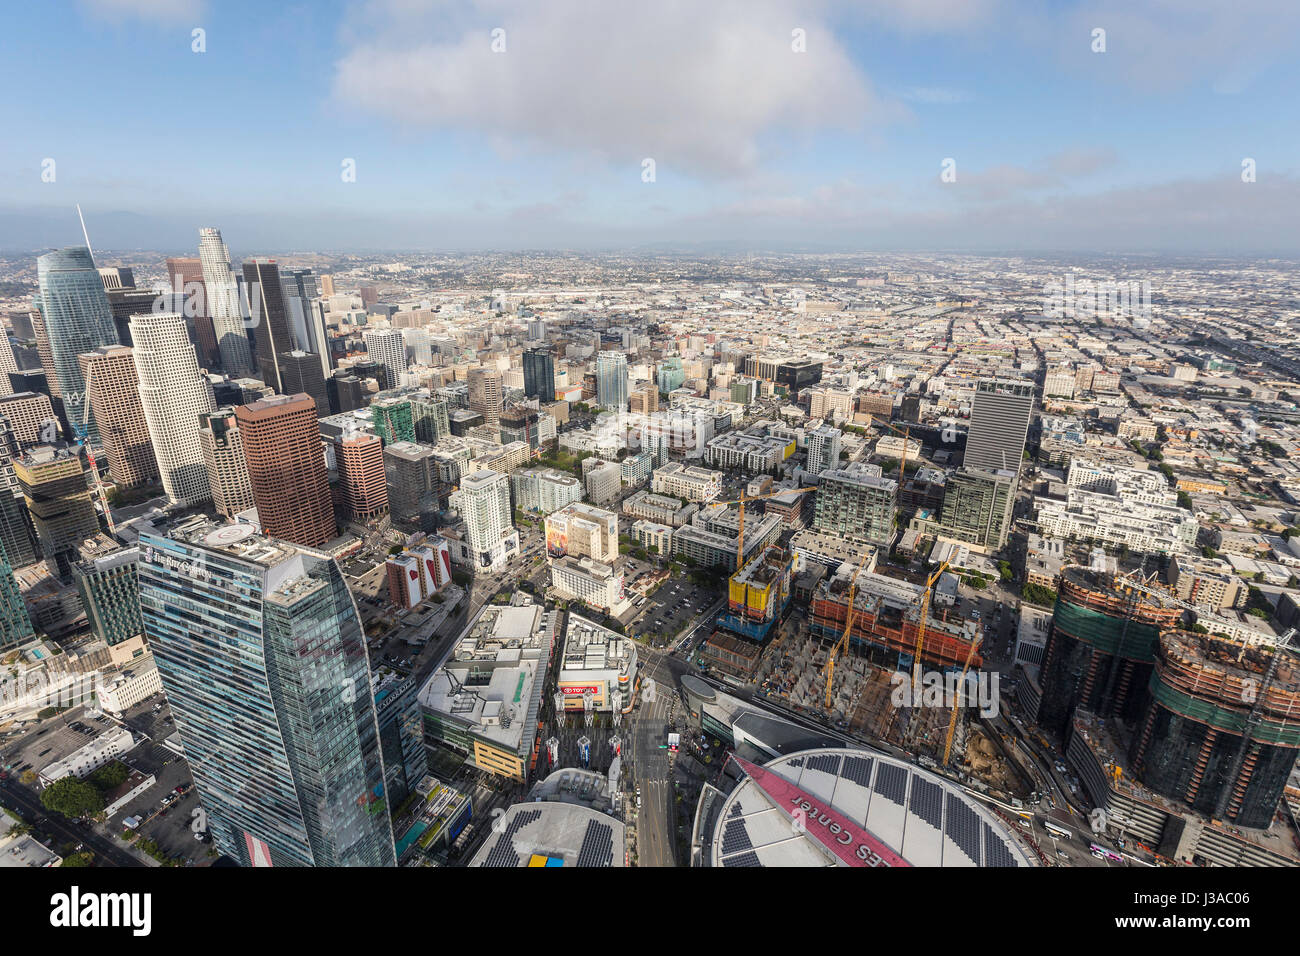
point(553, 834)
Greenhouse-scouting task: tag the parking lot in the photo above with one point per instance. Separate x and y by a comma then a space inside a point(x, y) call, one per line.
point(671, 608)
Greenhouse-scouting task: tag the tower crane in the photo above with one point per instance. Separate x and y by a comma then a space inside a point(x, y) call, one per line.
point(900, 431)
point(842, 645)
point(82, 430)
point(920, 630)
point(740, 544)
point(956, 704)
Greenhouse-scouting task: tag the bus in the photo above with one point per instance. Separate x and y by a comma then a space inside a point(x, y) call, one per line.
point(1101, 853)
point(1057, 831)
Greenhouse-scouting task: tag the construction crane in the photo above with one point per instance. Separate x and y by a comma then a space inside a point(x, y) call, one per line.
point(901, 431)
point(920, 630)
point(842, 645)
point(740, 544)
point(82, 430)
point(956, 704)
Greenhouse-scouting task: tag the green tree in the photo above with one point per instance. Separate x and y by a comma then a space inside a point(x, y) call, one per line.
point(109, 776)
point(72, 798)
point(78, 859)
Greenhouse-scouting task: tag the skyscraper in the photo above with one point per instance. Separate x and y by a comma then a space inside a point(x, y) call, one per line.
point(306, 319)
point(999, 424)
point(977, 506)
point(262, 655)
point(483, 501)
point(286, 468)
point(76, 319)
point(268, 317)
point(15, 622)
point(16, 535)
point(611, 380)
point(823, 449)
point(223, 459)
point(54, 486)
point(223, 304)
point(174, 393)
point(388, 347)
point(109, 586)
point(539, 374)
point(485, 394)
point(113, 389)
point(300, 372)
point(360, 459)
point(185, 278)
point(856, 502)
point(7, 363)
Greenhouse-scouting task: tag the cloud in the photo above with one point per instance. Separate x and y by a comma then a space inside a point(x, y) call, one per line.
point(704, 89)
point(158, 11)
point(935, 95)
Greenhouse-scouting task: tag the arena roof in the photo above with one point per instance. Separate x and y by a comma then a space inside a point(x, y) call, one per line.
point(844, 807)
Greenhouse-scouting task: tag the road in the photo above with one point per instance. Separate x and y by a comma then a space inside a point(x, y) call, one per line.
point(28, 805)
point(656, 819)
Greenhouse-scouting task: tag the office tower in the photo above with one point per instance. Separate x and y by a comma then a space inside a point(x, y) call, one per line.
point(269, 319)
point(327, 286)
point(999, 424)
point(1100, 648)
point(539, 374)
point(301, 372)
point(124, 303)
point(401, 736)
point(360, 460)
point(519, 423)
point(419, 345)
point(387, 347)
point(109, 586)
point(15, 622)
point(611, 380)
point(301, 289)
point(46, 355)
point(483, 501)
point(346, 392)
point(113, 389)
point(8, 364)
point(55, 490)
point(263, 659)
point(393, 419)
point(411, 480)
point(185, 278)
point(671, 375)
point(76, 319)
point(856, 502)
point(223, 304)
point(644, 399)
point(30, 414)
point(368, 368)
point(485, 394)
point(429, 415)
point(17, 537)
point(286, 467)
point(116, 277)
point(823, 449)
point(977, 506)
point(174, 393)
point(223, 460)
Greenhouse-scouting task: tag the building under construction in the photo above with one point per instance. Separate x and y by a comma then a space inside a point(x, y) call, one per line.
point(887, 621)
point(759, 592)
point(1221, 730)
point(1101, 648)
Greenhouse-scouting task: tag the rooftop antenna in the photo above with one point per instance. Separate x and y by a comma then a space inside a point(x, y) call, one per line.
point(85, 234)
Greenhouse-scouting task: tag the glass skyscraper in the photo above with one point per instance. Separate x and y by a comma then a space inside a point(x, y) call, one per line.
point(611, 380)
point(539, 374)
point(77, 319)
point(261, 653)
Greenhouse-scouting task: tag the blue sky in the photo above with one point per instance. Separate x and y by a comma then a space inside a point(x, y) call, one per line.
point(1056, 147)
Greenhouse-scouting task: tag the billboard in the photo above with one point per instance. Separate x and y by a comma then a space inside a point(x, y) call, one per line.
point(557, 535)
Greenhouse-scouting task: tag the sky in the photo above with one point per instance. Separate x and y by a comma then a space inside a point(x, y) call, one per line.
point(875, 125)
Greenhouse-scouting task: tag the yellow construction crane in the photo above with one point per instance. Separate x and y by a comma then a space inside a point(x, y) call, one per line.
point(956, 704)
point(842, 645)
point(901, 431)
point(920, 630)
point(740, 544)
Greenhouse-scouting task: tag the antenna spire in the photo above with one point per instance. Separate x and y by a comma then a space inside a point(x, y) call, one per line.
point(85, 234)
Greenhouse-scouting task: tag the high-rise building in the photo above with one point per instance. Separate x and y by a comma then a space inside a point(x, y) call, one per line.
point(269, 319)
point(393, 419)
point(116, 277)
point(54, 486)
point(113, 389)
point(483, 501)
point(671, 375)
point(999, 424)
point(401, 736)
point(977, 506)
point(173, 393)
point(539, 374)
point(581, 531)
point(30, 414)
point(8, 364)
point(185, 279)
point(223, 459)
point(429, 416)
point(263, 659)
point(611, 380)
point(856, 502)
point(17, 538)
point(76, 319)
point(360, 459)
point(485, 394)
point(388, 347)
point(286, 467)
point(301, 372)
point(823, 449)
point(109, 587)
point(223, 304)
point(306, 319)
point(411, 478)
point(15, 622)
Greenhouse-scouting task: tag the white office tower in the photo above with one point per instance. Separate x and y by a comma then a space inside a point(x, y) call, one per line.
point(611, 381)
point(999, 424)
point(419, 344)
point(223, 304)
point(388, 347)
point(174, 393)
point(823, 449)
point(7, 363)
point(483, 501)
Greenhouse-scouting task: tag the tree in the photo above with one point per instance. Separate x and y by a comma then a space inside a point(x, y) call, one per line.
point(72, 798)
point(109, 776)
point(78, 859)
